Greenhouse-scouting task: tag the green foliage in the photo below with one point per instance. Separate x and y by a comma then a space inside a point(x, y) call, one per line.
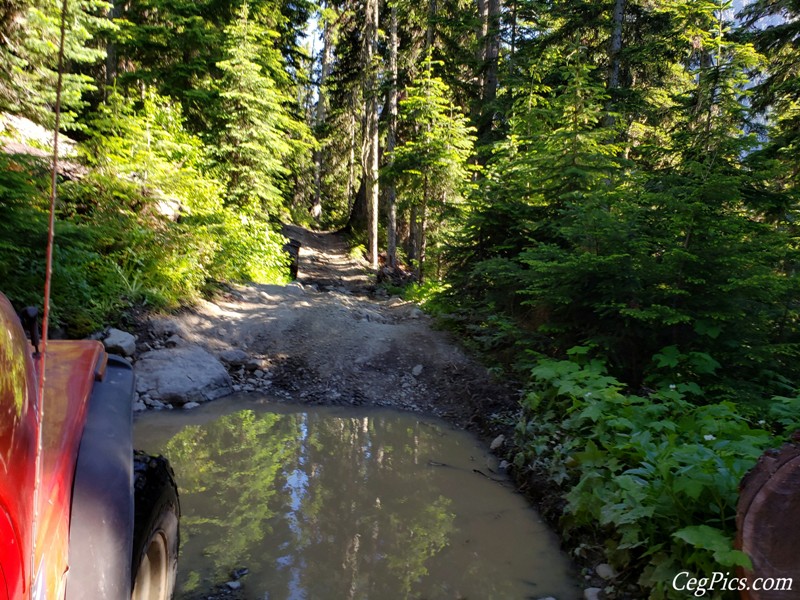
point(146, 227)
point(28, 56)
point(259, 134)
point(248, 250)
point(431, 166)
point(23, 233)
point(657, 474)
point(428, 295)
point(580, 246)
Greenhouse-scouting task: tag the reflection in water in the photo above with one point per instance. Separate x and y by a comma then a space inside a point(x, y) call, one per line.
point(336, 504)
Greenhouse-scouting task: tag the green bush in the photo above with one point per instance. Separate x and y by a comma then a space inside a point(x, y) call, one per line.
point(656, 473)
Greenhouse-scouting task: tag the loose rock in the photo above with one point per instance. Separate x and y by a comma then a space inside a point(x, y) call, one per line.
point(174, 341)
point(497, 442)
point(592, 593)
point(605, 571)
point(120, 342)
point(234, 357)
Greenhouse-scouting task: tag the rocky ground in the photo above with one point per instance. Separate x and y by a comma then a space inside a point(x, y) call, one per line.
point(332, 337)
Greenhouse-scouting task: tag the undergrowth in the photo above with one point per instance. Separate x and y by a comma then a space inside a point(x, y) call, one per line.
point(654, 476)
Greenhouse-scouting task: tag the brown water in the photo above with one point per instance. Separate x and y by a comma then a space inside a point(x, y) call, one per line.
point(328, 503)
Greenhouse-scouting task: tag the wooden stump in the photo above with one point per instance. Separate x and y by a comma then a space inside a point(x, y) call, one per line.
point(768, 522)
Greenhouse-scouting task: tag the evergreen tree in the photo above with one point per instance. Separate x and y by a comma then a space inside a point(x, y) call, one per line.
point(431, 165)
point(259, 134)
point(29, 56)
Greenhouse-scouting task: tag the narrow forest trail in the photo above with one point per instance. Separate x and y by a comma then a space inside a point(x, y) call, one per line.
point(331, 338)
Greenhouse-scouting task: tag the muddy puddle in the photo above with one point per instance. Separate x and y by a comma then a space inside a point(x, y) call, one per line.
point(331, 503)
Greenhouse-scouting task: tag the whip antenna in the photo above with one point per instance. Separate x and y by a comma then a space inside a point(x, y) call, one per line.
point(52, 213)
point(47, 280)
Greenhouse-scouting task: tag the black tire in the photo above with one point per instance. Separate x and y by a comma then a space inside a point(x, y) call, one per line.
point(156, 534)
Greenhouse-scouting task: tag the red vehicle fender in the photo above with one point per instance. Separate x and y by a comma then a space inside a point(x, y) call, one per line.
point(19, 430)
point(35, 507)
point(71, 369)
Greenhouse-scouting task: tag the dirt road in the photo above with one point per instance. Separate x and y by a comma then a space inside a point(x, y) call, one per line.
point(332, 338)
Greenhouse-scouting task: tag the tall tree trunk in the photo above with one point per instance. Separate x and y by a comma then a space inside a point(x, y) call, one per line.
point(615, 46)
point(480, 53)
point(614, 58)
point(391, 140)
point(111, 48)
point(430, 32)
point(371, 170)
point(319, 121)
point(351, 161)
point(413, 220)
point(491, 45)
point(422, 238)
point(513, 49)
point(492, 51)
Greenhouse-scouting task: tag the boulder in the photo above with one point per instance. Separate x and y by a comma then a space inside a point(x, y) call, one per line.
point(120, 342)
point(182, 375)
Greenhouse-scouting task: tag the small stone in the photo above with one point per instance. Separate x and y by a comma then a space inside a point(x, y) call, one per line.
point(239, 573)
point(234, 357)
point(190, 405)
point(497, 442)
point(259, 374)
point(173, 341)
point(592, 593)
point(120, 342)
point(256, 364)
point(139, 406)
point(237, 388)
point(504, 465)
point(547, 598)
point(234, 585)
point(163, 327)
point(605, 571)
point(417, 371)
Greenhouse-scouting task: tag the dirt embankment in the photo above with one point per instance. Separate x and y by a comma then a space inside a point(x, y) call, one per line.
point(334, 338)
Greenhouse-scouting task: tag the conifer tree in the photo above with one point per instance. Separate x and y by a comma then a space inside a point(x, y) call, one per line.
point(259, 134)
point(28, 56)
point(431, 166)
